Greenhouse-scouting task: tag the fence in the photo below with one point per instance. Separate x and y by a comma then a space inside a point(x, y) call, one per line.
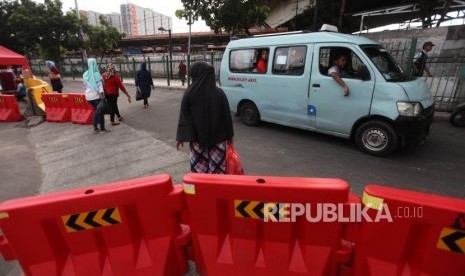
point(447, 84)
point(159, 66)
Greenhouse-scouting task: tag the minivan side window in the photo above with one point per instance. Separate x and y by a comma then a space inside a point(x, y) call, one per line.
point(249, 61)
point(289, 60)
point(354, 69)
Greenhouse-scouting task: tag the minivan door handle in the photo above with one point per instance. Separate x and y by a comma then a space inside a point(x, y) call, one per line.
point(316, 85)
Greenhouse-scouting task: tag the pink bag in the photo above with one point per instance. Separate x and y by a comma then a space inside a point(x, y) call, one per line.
point(233, 162)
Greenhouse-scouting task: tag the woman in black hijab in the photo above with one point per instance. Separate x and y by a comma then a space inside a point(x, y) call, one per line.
point(205, 121)
point(144, 83)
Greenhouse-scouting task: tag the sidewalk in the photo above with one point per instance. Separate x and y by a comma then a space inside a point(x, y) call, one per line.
point(175, 84)
point(55, 157)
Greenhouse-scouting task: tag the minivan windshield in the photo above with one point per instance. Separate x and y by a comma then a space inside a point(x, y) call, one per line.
point(388, 67)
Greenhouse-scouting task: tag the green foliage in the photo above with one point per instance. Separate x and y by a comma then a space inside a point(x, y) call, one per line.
point(228, 15)
point(103, 38)
point(30, 25)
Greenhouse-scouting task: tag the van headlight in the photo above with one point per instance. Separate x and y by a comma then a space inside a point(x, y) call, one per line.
point(409, 109)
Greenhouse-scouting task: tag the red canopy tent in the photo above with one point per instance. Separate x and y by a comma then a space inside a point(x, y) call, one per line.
point(8, 58)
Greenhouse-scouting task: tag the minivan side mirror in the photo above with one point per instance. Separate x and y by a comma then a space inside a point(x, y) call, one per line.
point(364, 74)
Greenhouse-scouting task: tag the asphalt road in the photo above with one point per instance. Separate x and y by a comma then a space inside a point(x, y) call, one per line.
point(437, 166)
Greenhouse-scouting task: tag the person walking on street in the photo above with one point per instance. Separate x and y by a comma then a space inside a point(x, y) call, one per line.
point(144, 83)
point(182, 72)
point(419, 61)
point(205, 121)
point(111, 84)
point(54, 75)
point(93, 87)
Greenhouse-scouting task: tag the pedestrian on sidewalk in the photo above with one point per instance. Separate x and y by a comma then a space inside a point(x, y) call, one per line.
point(419, 61)
point(111, 84)
point(205, 121)
point(54, 75)
point(182, 72)
point(144, 83)
point(93, 87)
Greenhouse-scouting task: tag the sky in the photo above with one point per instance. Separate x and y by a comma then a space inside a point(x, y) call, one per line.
point(166, 7)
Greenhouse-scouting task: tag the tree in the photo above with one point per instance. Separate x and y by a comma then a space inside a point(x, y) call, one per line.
point(229, 15)
point(7, 35)
point(103, 38)
point(28, 24)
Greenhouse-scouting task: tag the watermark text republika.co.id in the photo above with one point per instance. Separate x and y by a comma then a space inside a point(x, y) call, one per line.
point(340, 212)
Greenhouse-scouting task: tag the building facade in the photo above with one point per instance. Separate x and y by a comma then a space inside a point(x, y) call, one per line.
point(138, 21)
point(91, 17)
point(114, 19)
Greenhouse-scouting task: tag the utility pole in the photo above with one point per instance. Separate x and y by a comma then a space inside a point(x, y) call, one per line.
point(84, 53)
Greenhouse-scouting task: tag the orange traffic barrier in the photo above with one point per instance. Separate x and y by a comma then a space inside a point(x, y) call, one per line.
point(425, 236)
point(9, 109)
point(240, 225)
point(56, 107)
point(81, 111)
point(125, 228)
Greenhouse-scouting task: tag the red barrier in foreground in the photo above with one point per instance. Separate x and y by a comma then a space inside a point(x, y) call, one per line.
point(81, 111)
point(56, 107)
point(9, 109)
point(230, 236)
point(125, 228)
point(426, 235)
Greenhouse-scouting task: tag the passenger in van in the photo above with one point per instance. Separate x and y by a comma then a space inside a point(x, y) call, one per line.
point(262, 62)
point(338, 71)
point(297, 62)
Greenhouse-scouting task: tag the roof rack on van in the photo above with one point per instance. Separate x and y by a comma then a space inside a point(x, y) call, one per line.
point(283, 33)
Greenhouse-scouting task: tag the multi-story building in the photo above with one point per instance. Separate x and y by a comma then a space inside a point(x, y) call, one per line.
point(114, 19)
point(91, 17)
point(138, 21)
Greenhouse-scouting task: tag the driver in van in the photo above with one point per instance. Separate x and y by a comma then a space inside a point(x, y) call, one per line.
point(337, 72)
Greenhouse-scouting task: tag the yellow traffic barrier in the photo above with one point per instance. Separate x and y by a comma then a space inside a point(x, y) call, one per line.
point(37, 88)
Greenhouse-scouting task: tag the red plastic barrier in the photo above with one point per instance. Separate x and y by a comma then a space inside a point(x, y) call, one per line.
point(9, 109)
point(56, 107)
point(426, 235)
point(81, 111)
point(125, 228)
point(230, 237)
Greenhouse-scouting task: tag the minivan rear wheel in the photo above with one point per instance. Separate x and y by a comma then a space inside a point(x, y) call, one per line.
point(377, 138)
point(249, 114)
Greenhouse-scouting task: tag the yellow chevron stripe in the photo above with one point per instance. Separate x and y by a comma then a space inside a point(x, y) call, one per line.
point(116, 215)
point(80, 221)
point(236, 213)
point(249, 209)
point(65, 220)
point(98, 218)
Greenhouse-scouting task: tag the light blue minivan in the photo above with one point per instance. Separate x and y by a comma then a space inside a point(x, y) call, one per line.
point(385, 107)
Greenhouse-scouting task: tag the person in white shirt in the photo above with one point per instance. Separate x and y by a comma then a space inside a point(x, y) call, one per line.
point(419, 60)
point(93, 87)
point(338, 71)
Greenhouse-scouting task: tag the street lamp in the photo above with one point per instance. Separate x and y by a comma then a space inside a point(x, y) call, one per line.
point(171, 49)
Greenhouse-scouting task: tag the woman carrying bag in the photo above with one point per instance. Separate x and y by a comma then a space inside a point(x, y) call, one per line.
point(205, 121)
point(144, 84)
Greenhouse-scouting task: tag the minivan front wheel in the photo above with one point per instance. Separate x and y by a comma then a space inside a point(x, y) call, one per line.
point(249, 114)
point(377, 138)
